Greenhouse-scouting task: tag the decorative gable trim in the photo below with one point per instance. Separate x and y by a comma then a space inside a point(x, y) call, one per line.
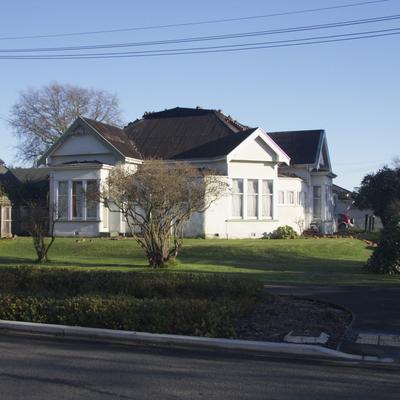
point(79, 127)
point(281, 156)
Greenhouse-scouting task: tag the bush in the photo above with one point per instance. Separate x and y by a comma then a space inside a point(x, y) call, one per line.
point(68, 283)
point(386, 257)
point(283, 232)
point(190, 304)
point(199, 317)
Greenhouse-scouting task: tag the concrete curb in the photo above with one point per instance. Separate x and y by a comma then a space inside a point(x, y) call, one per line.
point(195, 341)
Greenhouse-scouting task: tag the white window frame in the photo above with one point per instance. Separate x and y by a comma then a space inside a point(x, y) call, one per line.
point(259, 195)
point(242, 195)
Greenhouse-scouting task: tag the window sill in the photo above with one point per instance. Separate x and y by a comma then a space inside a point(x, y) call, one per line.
point(78, 220)
point(251, 220)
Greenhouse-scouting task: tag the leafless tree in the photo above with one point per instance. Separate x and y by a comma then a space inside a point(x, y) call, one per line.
point(40, 222)
point(41, 116)
point(158, 200)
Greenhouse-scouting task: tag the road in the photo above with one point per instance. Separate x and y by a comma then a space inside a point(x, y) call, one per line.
point(49, 368)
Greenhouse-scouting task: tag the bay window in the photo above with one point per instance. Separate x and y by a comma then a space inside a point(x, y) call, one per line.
point(78, 200)
point(252, 199)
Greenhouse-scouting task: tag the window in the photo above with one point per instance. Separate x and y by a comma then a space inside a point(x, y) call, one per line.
point(62, 200)
point(317, 202)
point(252, 198)
point(290, 197)
point(267, 199)
point(5, 220)
point(92, 202)
point(302, 198)
point(281, 197)
point(237, 198)
point(77, 199)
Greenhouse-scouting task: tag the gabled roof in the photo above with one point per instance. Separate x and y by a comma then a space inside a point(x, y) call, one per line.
point(303, 147)
point(116, 136)
point(185, 133)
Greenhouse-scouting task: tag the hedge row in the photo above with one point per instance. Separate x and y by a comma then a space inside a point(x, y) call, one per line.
point(67, 283)
point(199, 317)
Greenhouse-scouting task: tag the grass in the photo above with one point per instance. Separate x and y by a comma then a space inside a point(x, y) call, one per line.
point(302, 261)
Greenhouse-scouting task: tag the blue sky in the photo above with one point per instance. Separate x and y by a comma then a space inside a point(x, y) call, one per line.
point(350, 89)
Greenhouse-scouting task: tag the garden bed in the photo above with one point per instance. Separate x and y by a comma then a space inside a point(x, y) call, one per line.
point(186, 304)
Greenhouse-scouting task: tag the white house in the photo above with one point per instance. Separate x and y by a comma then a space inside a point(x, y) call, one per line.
point(276, 178)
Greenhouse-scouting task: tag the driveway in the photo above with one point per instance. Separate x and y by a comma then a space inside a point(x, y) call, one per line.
point(376, 312)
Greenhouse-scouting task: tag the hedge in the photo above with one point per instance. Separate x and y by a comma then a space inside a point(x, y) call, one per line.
point(199, 317)
point(67, 283)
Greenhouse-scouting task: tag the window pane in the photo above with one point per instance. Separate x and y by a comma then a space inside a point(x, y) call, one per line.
point(77, 199)
point(267, 206)
point(281, 197)
point(92, 199)
point(237, 185)
point(317, 202)
point(237, 205)
point(290, 197)
point(62, 200)
point(252, 186)
point(252, 196)
point(267, 187)
point(252, 206)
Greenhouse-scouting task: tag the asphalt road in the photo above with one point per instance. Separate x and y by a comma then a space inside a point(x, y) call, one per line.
point(47, 368)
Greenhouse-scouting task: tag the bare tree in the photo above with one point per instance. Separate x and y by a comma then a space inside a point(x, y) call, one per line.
point(41, 116)
point(158, 200)
point(40, 222)
point(36, 215)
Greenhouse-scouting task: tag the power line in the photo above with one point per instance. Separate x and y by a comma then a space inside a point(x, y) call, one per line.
point(209, 38)
point(193, 23)
point(214, 49)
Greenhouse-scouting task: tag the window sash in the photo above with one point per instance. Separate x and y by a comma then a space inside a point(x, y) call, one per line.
point(92, 204)
point(62, 200)
point(77, 199)
point(267, 198)
point(252, 198)
point(317, 202)
point(237, 198)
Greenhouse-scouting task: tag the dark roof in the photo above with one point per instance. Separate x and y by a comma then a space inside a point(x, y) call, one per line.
point(116, 136)
point(219, 147)
point(300, 146)
point(30, 174)
point(185, 133)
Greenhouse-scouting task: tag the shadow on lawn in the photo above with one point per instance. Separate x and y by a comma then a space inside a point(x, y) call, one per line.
point(275, 259)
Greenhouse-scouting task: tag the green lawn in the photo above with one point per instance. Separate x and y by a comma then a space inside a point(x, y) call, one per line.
point(318, 261)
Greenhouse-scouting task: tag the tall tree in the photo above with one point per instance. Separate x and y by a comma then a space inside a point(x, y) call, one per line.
point(158, 200)
point(381, 193)
point(41, 116)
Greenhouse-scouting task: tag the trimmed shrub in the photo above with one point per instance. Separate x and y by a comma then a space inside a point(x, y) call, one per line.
point(200, 317)
point(386, 257)
point(69, 283)
point(283, 232)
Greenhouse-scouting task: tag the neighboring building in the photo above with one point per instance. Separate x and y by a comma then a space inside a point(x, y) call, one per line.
point(344, 204)
point(279, 178)
point(13, 211)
